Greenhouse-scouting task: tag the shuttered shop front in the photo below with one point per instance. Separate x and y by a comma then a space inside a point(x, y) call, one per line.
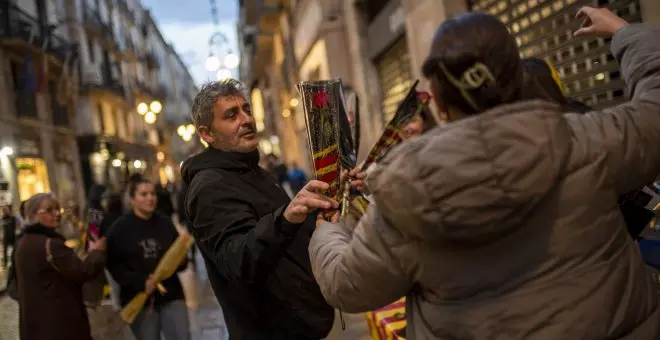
point(544, 29)
point(394, 75)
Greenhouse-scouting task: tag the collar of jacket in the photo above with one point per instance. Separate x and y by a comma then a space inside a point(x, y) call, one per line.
point(40, 229)
point(212, 158)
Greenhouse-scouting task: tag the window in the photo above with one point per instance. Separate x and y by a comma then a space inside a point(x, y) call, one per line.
point(90, 50)
point(99, 118)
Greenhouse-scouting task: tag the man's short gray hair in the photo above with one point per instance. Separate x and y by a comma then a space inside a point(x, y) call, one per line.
point(34, 203)
point(202, 108)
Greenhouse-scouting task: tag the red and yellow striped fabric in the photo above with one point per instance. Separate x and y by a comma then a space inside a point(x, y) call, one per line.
point(385, 323)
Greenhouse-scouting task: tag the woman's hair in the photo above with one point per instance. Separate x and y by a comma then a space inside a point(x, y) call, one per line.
point(134, 184)
point(21, 209)
point(427, 118)
point(33, 204)
point(474, 64)
point(540, 83)
point(115, 203)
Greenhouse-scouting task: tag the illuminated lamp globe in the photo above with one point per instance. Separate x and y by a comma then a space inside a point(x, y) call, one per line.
point(231, 60)
point(150, 117)
point(142, 108)
point(155, 107)
point(137, 164)
point(190, 129)
point(223, 74)
point(187, 137)
point(181, 130)
point(212, 63)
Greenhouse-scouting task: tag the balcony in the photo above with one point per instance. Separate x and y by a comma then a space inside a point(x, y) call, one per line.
point(25, 103)
point(152, 61)
point(94, 25)
point(153, 92)
point(107, 86)
point(23, 32)
point(122, 5)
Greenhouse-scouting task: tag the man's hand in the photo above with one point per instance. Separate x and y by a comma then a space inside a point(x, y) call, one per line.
point(150, 285)
point(307, 200)
point(356, 177)
point(97, 244)
point(599, 22)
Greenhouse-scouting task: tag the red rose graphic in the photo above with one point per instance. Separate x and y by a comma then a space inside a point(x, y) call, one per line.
point(423, 97)
point(320, 99)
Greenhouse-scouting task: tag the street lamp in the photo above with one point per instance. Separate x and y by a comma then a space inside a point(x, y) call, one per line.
point(223, 74)
point(229, 61)
point(156, 107)
point(186, 132)
point(150, 117)
point(142, 108)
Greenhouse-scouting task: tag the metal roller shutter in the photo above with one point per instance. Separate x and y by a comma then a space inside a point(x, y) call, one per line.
point(395, 76)
point(544, 29)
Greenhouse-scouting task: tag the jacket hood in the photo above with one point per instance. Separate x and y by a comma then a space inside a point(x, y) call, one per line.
point(212, 158)
point(476, 179)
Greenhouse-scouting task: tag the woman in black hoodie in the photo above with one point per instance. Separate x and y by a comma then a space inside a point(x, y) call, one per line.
point(136, 243)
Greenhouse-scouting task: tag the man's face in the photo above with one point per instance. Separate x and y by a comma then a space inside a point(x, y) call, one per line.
point(233, 127)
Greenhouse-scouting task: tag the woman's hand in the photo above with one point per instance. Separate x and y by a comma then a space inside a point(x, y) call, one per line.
point(356, 177)
point(320, 218)
point(97, 244)
point(599, 22)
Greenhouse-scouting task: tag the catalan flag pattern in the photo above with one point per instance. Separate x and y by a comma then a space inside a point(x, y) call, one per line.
point(327, 170)
point(387, 140)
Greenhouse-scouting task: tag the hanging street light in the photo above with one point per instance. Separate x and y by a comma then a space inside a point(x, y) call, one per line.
point(212, 63)
point(231, 60)
point(221, 63)
point(156, 107)
point(142, 108)
point(181, 130)
point(223, 74)
point(150, 117)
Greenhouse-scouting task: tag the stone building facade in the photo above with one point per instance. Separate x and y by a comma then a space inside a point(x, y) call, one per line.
point(72, 74)
point(378, 47)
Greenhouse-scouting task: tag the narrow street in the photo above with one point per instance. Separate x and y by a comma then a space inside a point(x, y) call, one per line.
point(206, 320)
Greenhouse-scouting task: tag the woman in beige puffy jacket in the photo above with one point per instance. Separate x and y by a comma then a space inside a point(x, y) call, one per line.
point(504, 224)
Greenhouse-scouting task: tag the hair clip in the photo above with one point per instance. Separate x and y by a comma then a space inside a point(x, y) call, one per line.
point(473, 78)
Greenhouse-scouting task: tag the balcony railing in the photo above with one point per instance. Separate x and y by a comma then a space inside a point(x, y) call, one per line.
point(152, 61)
point(16, 23)
point(108, 84)
point(25, 103)
point(93, 20)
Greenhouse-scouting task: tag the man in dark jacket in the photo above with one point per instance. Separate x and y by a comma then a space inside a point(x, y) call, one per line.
point(253, 238)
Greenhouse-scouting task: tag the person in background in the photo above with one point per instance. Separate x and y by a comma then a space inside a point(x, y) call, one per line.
point(164, 199)
point(418, 124)
point(297, 178)
point(505, 224)
point(278, 169)
point(136, 243)
point(113, 209)
point(50, 276)
point(9, 226)
point(541, 81)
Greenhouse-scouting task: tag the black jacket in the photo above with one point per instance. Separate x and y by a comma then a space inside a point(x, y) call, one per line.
point(134, 248)
point(258, 263)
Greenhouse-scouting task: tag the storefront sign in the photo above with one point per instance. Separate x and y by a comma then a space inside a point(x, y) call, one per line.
point(28, 147)
point(388, 26)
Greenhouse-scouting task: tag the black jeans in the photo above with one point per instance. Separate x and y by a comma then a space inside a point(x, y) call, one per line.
point(6, 243)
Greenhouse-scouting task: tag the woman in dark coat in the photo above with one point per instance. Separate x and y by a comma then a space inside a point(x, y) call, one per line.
point(51, 276)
